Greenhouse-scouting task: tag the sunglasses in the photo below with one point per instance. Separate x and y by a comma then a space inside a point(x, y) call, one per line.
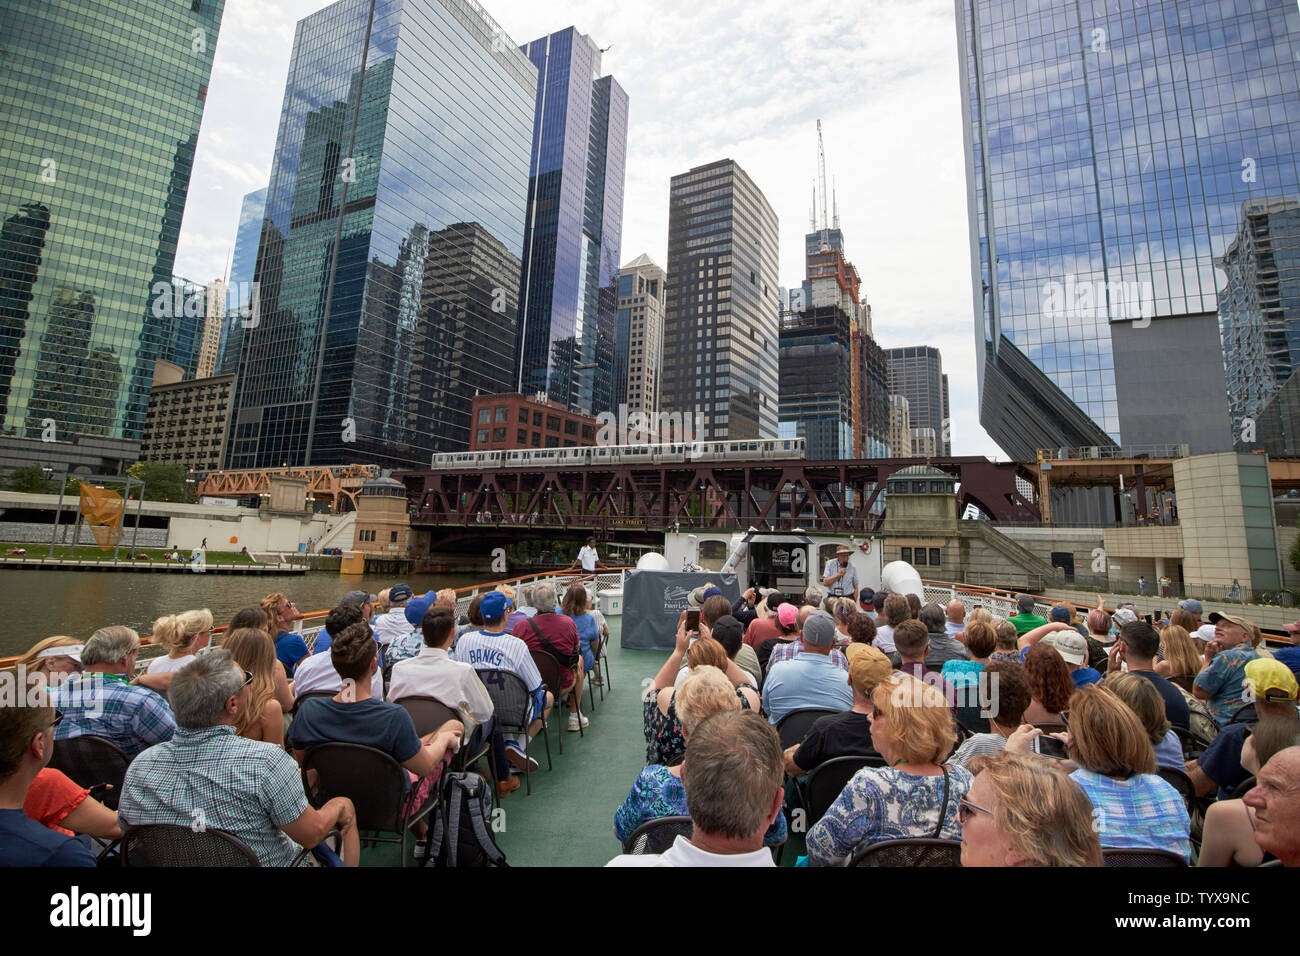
point(58, 719)
point(966, 808)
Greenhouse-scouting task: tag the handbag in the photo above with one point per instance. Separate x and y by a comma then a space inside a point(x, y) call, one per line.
point(943, 807)
point(568, 661)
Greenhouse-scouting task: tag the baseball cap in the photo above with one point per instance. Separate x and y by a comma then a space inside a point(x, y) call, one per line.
point(819, 629)
point(400, 592)
point(1192, 606)
point(1124, 616)
point(728, 627)
point(359, 598)
point(493, 605)
point(787, 614)
point(701, 594)
point(867, 599)
point(416, 608)
point(1270, 679)
point(868, 666)
point(1069, 644)
point(712, 591)
point(1060, 613)
point(1205, 632)
point(1215, 617)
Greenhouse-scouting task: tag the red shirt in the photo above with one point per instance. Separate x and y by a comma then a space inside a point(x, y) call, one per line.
point(51, 797)
point(760, 629)
point(557, 628)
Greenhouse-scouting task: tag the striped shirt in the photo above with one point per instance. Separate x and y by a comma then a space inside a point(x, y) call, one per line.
point(214, 778)
point(110, 706)
point(788, 652)
point(1142, 812)
point(977, 745)
point(489, 651)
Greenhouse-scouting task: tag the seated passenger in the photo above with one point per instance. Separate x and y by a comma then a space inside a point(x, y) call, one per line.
point(811, 679)
point(182, 635)
point(658, 790)
point(208, 775)
point(1229, 832)
point(847, 734)
point(317, 673)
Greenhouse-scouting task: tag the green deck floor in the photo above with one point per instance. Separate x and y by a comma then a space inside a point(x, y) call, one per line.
point(569, 818)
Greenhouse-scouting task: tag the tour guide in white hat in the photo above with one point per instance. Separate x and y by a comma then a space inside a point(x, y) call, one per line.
point(840, 576)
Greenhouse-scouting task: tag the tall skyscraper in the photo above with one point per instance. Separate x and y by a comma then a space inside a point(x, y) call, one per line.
point(388, 264)
point(816, 382)
point(916, 373)
point(573, 231)
point(100, 107)
point(640, 335)
point(1109, 149)
point(900, 427)
point(239, 290)
point(1259, 308)
point(721, 331)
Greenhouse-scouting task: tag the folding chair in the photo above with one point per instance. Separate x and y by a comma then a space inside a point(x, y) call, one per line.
point(513, 706)
point(171, 845)
point(794, 726)
point(428, 714)
point(95, 763)
point(1114, 856)
point(1182, 783)
point(827, 781)
point(656, 836)
point(553, 676)
point(914, 851)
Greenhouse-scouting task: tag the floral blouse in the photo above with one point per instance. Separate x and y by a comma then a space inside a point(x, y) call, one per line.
point(663, 732)
point(658, 793)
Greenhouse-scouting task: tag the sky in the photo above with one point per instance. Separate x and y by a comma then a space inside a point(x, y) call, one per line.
point(730, 79)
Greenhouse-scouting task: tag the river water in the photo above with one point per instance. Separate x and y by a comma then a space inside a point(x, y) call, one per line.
point(38, 604)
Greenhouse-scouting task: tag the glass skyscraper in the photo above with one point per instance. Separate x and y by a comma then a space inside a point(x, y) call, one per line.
point(722, 312)
point(916, 373)
point(239, 295)
point(1110, 146)
point(569, 290)
point(100, 106)
point(389, 260)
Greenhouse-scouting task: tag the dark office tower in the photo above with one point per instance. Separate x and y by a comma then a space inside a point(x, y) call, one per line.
point(1110, 146)
point(239, 295)
point(1259, 308)
point(22, 238)
point(100, 106)
point(405, 123)
point(872, 371)
point(569, 289)
point(722, 318)
point(916, 373)
point(816, 382)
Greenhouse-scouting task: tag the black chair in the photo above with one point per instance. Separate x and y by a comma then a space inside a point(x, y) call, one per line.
point(912, 851)
point(1185, 681)
point(555, 677)
point(794, 726)
point(1141, 858)
point(1243, 788)
point(1245, 714)
point(656, 836)
point(95, 763)
point(1193, 744)
point(827, 781)
point(298, 701)
point(513, 706)
point(171, 845)
point(1182, 783)
point(602, 667)
point(428, 714)
point(377, 785)
point(597, 649)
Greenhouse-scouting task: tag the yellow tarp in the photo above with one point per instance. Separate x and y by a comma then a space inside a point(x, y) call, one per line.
point(102, 510)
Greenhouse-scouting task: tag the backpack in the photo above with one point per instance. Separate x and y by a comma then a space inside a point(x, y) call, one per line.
point(1202, 725)
point(461, 834)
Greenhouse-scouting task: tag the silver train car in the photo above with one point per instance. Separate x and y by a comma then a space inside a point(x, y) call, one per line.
point(762, 449)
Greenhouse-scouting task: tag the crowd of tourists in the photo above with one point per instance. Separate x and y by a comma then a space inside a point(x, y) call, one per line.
point(1053, 739)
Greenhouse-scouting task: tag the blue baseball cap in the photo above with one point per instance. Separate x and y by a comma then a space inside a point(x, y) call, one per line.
point(400, 592)
point(416, 608)
point(1061, 613)
point(711, 591)
point(493, 605)
point(1191, 605)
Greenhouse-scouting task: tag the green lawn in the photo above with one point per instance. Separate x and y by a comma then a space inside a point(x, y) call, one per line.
point(92, 553)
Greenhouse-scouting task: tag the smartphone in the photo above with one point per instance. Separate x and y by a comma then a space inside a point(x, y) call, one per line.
point(1050, 747)
point(693, 619)
point(1147, 618)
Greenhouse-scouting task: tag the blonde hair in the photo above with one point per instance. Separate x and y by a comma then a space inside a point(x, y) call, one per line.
point(1180, 652)
point(980, 615)
point(1141, 697)
point(33, 661)
point(177, 630)
point(705, 691)
point(508, 591)
point(446, 595)
point(381, 600)
point(254, 651)
point(1005, 635)
point(1039, 812)
point(1106, 736)
point(920, 720)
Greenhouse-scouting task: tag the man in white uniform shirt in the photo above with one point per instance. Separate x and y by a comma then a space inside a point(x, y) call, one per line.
point(588, 557)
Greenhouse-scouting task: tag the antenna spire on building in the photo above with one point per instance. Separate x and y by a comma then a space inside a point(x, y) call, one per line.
point(821, 174)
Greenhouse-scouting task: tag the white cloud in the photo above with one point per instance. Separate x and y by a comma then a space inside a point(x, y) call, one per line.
point(745, 80)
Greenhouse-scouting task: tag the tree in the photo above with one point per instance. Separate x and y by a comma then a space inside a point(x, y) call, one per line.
point(30, 480)
point(161, 482)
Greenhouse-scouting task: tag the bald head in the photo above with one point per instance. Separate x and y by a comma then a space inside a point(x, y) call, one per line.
point(955, 611)
point(1276, 802)
point(805, 612)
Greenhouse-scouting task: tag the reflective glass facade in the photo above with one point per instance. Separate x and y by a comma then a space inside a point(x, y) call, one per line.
point(243, 265)
point(574, 227)
point(100, 106)
point(1110, 146)
point(388, 265)
point(721, 319)
point(816, 382)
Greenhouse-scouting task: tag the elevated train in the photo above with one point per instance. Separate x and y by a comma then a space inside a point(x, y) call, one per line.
point(760, 449)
